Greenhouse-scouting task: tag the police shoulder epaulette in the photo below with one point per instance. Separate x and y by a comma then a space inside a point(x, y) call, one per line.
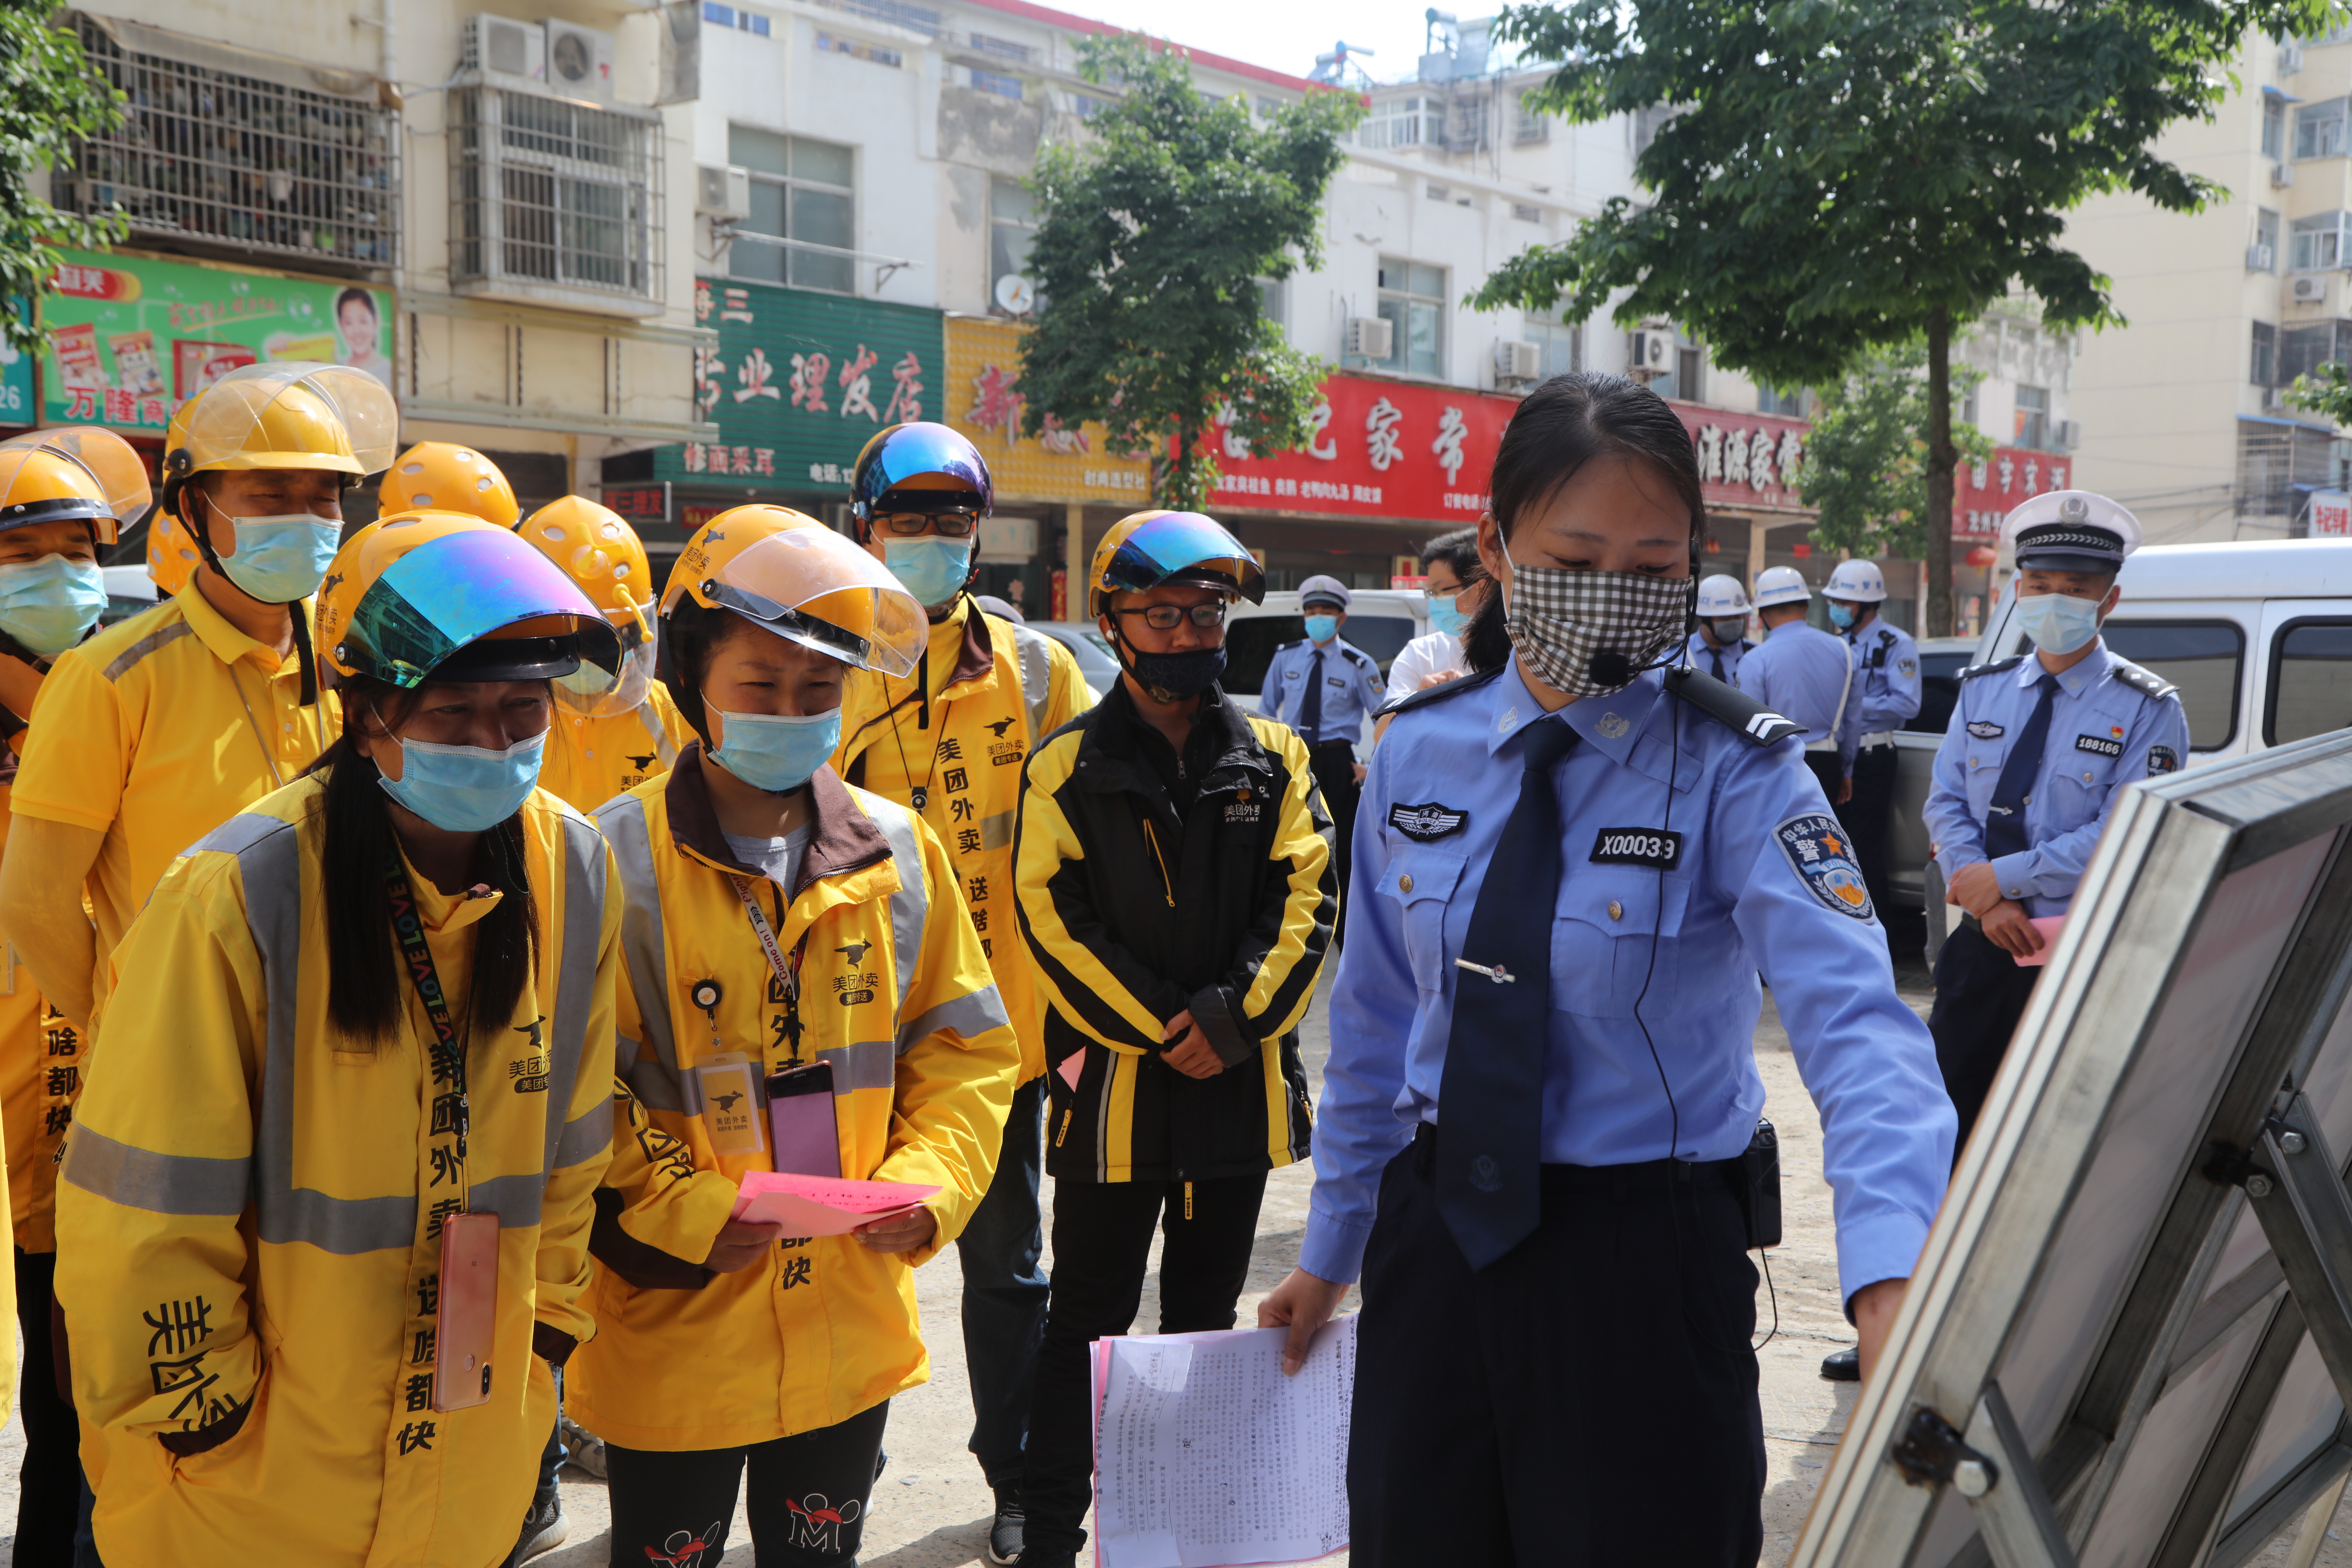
point(1437, 693)
point(1286, 647)
point(1354, 656)
point(1995, 667)
point(2146, 682)
point(1730, 706)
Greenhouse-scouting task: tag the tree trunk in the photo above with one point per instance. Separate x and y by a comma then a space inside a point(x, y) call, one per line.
point(1943, 464)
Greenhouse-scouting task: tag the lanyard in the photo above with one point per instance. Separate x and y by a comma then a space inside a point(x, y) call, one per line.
point(448, 1046)
point(788, 975)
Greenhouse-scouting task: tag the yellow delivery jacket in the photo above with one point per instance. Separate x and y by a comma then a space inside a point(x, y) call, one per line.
point(590, 760)
point(895, 993)
point(40, 1074)
point(958, 728)
point(250, 1211)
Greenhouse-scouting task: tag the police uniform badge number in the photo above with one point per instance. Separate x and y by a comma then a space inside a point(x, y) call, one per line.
point(1427, 823)
point(1818, 853)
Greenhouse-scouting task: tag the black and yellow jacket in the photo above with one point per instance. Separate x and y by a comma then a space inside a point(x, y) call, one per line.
point(1136, 914)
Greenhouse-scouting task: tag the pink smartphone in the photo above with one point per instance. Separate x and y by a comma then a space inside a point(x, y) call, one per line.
point(468, 1318)
point(800, 1120)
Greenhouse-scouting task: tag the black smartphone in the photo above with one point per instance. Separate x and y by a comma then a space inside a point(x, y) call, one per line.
point(1763, 1195)
point(800, 1120)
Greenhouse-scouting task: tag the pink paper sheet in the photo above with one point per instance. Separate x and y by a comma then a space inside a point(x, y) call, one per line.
point(822, 1205)
point(2048, 926)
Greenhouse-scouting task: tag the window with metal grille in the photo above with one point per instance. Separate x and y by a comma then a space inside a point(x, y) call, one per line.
point(1529, 124)
point(801, 189)
point(550, 192)
point(208, 154)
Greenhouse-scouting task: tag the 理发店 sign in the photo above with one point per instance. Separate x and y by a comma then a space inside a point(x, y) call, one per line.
point(1379, 448)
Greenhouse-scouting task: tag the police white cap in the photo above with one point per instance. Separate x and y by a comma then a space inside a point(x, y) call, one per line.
point(1781, 585)
point(1721, 595)
point(2071, 531)
point(1857, 581)
point(1322, 590)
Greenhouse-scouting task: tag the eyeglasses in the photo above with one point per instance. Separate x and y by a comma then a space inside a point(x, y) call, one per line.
point(951, 524)
point(1168, 617)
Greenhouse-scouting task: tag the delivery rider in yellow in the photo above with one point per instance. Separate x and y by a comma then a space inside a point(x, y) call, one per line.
point(323, 1218)
point(160, 728)
point(1177, 892)
point(63, 494)
point(781, 920)
point(948, 741)
point(612, 732)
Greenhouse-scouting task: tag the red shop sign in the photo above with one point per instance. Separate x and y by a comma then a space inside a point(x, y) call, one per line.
point(1984, 493)
point(1381, 448)
point(1746, 462)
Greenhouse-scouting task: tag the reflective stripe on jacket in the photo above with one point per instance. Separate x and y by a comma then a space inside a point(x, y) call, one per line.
point(249, 1221)
point(895, 993)
point(993, 690)
point(1136, 915)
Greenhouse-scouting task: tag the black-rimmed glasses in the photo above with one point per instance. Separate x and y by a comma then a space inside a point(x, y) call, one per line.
point(1168, 617)
point(951, 524)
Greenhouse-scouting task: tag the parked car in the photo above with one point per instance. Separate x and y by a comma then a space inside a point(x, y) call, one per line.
point(1380, 621)
point(129, 591)
point(1085, 640)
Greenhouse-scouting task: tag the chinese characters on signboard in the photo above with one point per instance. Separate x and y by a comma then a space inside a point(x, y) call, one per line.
point(2331, 514)
point(983, 399)
point(1746, 462)
point(1377, 448)
point(1986, 492)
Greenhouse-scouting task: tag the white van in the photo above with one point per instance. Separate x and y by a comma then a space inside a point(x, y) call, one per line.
point(1380, 621)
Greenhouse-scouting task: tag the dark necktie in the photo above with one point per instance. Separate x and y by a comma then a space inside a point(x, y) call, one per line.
point(2005, 823)
point(1310, 706)
point(1718, 665)
point(1490, 1094)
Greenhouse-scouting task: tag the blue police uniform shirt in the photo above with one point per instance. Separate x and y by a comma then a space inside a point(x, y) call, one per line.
point(2111, 722)
point(1748, 872)
point(1885, 692)
point(1803, 674)
point(1352, 688)
point(1702, 657)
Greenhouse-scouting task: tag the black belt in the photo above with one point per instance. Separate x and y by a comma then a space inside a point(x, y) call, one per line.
point(1347, 746)
point(1644, 1180)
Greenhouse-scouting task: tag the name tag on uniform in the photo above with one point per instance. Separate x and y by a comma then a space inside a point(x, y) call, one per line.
point(1426, 823)
point(1655, 848)
point(2100, 745)
point(1985, 730)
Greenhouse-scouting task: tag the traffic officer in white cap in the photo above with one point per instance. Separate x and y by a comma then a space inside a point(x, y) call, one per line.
point(1721, 640)
point(1801, 674)
point(1885, 694)
point(1323, 687)
point(2038, 745)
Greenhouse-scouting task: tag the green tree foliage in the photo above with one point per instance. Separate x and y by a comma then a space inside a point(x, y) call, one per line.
point(1847, 175)
point(1865, 464)
point(2325, 390)
point(50, 99)
point(1152, 235)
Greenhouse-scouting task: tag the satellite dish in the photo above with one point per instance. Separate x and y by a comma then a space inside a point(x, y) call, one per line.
point(1015, 293)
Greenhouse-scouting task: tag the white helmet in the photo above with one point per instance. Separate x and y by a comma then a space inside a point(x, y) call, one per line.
point(1856, 580)
point(1781, 585)
point(1721, 595)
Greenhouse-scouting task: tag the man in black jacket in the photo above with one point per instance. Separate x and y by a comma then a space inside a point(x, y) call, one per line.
point(1176, 889)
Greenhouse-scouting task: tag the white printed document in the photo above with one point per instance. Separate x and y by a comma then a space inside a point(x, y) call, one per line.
point(1207, 1456)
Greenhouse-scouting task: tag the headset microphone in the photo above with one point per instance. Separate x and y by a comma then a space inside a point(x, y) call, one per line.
point(1610, 669)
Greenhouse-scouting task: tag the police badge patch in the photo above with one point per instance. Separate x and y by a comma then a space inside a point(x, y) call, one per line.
point(1985, 730)
point(2162, 760)
point(1818, 852)
point(1425, 824)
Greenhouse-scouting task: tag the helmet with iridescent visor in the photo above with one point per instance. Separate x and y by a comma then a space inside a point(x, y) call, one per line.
point(1148, 549)
point(440, 595)
point(919, 467)
point(73, 473)
point(602, 555)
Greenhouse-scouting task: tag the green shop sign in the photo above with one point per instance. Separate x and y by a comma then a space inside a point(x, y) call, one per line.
point(800, 381)
point(131, 338)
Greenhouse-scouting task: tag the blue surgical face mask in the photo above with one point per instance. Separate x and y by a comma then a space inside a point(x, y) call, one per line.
point(931, 568)
point(281, 558)
point(50, 605)
point(465, 789)
point(1445, 615)
point(777, 753)
point(2056, 622)
point(1841, 616)
point(1322, 628)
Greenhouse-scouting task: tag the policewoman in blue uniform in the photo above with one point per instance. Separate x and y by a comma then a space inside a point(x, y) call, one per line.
point(1323, 687)
point(2027, 773)
point(1885, 697)
point(1542, 1082)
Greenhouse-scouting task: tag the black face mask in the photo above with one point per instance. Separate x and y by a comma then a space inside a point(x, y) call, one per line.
point(1174, 677)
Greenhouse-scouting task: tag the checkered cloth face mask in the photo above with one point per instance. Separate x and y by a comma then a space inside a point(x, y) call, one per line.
point(1559, 620)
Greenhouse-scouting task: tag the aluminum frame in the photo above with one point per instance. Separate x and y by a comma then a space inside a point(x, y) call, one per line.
point(1936, 1417)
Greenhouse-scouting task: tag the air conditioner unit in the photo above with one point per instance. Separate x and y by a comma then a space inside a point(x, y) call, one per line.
point(2260, 258)
point(507, 53)
point(2282, 176)
point(721, 192)
point(2310, 290)
point(2290, 58)
point(579, 61)
point(1653, 352)
point(2068, 434)
point(1516, 359)
point(1370, 337)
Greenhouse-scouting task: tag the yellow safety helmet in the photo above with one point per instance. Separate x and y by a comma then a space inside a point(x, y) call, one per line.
point(1146, 549)
point(428, 595)
point(441, 475)
point(73, 473)
point(172, 556)
point(793, 577)
point(720, 540)
point(605, 560)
